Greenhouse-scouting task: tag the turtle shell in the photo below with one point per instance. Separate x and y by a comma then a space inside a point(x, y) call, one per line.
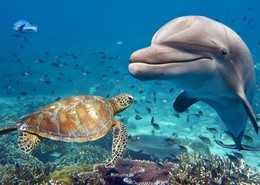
point(74, 119)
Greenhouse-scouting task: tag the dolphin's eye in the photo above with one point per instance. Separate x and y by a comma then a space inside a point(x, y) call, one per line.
point(224, 51)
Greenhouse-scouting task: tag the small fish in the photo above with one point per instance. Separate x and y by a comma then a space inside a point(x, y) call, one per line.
point(23, 93)
point(141, 91)
point(177, 115)
point(238, 155)
point(155, 125)
point(137, 117)
point(183, 149)
point(205, 139)
point(137, 111)
point(74, 56)
point(148, 109)
point(57, 99)
point(116, 72)
point(140, 151)
point(133, 138)
point(248, 138)
point(38, 61)
point(212, 130)
point(45, 79)
point(171, 90)
point(250, 9)
point(233, 159)
point(200, 113)
point(132, 87)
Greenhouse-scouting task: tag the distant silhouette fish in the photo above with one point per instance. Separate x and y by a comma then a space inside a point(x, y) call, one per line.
point(24, 26)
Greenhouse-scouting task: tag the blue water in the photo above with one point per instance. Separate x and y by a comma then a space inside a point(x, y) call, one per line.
point(101, 35)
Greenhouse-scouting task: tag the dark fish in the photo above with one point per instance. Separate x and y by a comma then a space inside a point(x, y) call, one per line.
point(18, 61)
point(57, 99)
point(248, 138)
point(250, 21)
point(155, 125)
point(200, 113)
point(183, 149)
point(116, 72)
point(177, 115)
point(137, 111)
point(204, 139)
point(21, 45)
point(46, 53)
point(140, 151)
point(133, 138)
point(74, 56)
point(25, 38)
point(23, 93)
point(188, 118)
point(45, 79)
point(148, 109)
point(137, 117)
point(238, 155)
point(141, 91)
point(197, 115)
point(250, 9)
point(132, 87)
point(54, 65)
point(233, 159)
point(212, 130)
point(171, 90)
point(38, 61)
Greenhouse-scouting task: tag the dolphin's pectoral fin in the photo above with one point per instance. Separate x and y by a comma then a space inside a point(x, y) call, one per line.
point(248, 109)
point(183, 102)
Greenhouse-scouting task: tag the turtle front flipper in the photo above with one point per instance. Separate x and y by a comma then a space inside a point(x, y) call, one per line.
point(27, 142)
point(119, 144)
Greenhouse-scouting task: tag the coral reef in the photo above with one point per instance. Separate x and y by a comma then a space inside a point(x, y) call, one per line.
point(212, 169)
point(193, 169)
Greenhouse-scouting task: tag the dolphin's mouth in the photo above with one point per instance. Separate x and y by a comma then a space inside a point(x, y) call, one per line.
point(172, 61)
point(144, 70)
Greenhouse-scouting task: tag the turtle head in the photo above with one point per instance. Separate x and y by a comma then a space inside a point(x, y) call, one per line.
point(121, 102)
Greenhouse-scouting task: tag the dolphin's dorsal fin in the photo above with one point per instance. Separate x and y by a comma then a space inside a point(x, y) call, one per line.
point(241, 95)
point(183, 102)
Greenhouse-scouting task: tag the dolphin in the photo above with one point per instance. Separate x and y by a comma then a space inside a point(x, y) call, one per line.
point(210, 62)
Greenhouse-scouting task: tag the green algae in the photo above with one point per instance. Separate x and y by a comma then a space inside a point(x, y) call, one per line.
point(64, 175)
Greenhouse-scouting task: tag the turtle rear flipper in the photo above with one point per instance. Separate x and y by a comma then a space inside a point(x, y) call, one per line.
point(27, 142)
point(119, 144)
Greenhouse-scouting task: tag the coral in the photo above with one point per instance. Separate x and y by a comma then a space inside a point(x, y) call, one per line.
point(23, 174)
point(68, 174)
point(136, 172)
point(212, 169)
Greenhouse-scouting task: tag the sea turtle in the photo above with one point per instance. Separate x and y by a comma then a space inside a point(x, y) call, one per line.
point(75, 119)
